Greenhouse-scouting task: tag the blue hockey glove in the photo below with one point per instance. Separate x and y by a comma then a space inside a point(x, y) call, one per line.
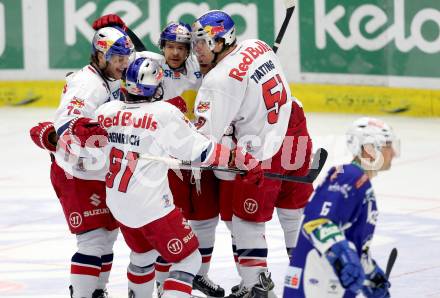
point(347, 266)
point(377, 284)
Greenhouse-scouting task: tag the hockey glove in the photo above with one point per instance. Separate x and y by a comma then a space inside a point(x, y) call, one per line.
point(238, 158)
point(245, 161)
point(179, 103)
point(347, 266)
point(109, 20)
point(89, 132)
point(44, 136)
point(377, 284)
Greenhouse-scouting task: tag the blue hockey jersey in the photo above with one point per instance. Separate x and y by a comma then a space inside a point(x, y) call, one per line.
point(344, 202)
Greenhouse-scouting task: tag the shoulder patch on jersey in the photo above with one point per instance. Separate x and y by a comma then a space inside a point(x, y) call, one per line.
point(293, 277)
point(361, 181)
point(77, 102)
point(203, 106)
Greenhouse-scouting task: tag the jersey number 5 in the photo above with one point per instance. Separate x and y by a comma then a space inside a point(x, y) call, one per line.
point(116, 157)
point(274, 100)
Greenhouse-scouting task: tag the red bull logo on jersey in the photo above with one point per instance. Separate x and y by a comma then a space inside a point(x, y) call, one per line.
point(249, 55)
point(128, 119)
point(203, 106)
point(214, 30)
point(77, 102)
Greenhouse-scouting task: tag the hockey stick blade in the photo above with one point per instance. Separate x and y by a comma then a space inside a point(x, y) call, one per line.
point(137, 42)
point(391, 260)
point(289, 13)
point(319, 159)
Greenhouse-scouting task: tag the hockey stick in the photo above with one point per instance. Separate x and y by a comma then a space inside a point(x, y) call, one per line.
point(319, 159)
point(290, 5)
point(391, 260)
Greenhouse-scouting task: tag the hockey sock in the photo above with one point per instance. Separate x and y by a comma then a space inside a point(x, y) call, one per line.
point(107, 262)
point(162, 268)
point(179, 282)
point(206, 260)
point(178, 285)
point(205, 231)
point(84, 274)
point(141, 280)
point(251, 249)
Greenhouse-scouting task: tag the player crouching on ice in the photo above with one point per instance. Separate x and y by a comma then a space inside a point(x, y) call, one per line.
point(138, 192)
point(332, 257)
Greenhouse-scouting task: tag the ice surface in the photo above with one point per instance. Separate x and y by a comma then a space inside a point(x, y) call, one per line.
point(36, 246)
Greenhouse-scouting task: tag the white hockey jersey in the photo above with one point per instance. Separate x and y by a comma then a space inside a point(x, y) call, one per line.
point(248, 89)
point(137, 189)
point(83, 93)
point(176, 83)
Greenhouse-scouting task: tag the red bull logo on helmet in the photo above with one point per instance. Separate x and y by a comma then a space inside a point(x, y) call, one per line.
point(214, 30)
point(104, 44)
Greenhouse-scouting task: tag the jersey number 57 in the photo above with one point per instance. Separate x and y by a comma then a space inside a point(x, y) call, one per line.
point(274, 95)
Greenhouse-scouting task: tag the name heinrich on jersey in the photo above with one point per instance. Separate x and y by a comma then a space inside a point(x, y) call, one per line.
point(127, 119)
point(116, 137)
point(249, 55)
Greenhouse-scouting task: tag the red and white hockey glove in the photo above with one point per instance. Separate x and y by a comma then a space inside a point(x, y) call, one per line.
point(89, 132)
point(44, 136)
point(179, 103)
point(224, 157)
point(245, 161)
point(109, 20)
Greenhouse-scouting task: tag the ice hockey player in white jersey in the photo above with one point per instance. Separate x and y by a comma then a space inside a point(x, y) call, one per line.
point(182, 76)
point(332, 257)
point(78, 168)
point(195, 193)
point(138, 193)
point(247, 89)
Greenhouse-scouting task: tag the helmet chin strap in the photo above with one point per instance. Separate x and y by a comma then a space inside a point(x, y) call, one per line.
point(214, 60)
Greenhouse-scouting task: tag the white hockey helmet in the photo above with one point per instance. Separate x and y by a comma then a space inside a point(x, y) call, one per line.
point(144, 80)
point(112, 41)
point(373, 131)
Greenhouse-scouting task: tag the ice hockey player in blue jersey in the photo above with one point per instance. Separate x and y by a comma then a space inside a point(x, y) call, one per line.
point(332, 257)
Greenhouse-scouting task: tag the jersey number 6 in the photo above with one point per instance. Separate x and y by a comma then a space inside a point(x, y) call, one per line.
point(274, 100)
point(116, 157)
